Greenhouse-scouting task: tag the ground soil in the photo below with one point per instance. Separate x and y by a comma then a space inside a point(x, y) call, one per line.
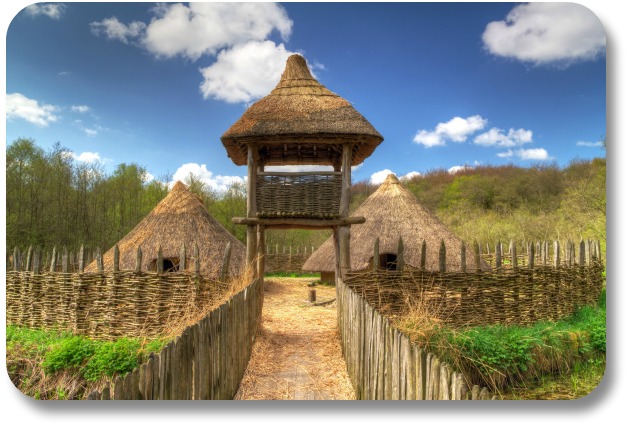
point(297, 353)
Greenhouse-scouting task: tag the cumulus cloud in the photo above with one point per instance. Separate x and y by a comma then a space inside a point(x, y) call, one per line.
point(457, 129)
point(543, 33)
point(539, 154)
point(51, 10)
point(80, 108)
point(590, 144)
point(215, 182)
point(87, 157)
point(455, 169)
point(496, 137)
point(378, 178)
point(113, 29)
point(204, 28)
point(19, 106)
point(245, 72)
point(199, 29)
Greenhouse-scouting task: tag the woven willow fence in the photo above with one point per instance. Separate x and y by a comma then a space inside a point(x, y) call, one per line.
point(383, 364)
point(508, 293)
point(105, 304)
point(207, 361)
point(286, 258)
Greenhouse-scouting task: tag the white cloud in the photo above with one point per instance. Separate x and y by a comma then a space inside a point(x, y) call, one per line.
point(455, 169)
point(90, 132)
point(543, 33)
point(457, 129)
point(148, 177)
point(113, 29)
point(378, 178)
point(80, 108)
point(410, 175)
point(51, 10)
point(87, 157)
point(245, 72)
point(533, 154)
point(216, 183)
point(539, 154)
point(204, 28)
point(497, 137)
point(19, 106)
point(199, 29)
point(590, 144)
point(64, 73)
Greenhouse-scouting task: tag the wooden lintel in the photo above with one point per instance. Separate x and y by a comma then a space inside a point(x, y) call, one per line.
point(296, 223)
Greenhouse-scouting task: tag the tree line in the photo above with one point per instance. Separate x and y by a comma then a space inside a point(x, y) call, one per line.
point(53, 199)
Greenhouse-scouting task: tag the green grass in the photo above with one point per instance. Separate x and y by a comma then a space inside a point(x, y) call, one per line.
point(291, 275)
point(46, 364)
point(498, 356)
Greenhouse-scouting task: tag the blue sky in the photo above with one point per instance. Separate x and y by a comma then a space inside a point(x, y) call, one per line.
point(448, 85)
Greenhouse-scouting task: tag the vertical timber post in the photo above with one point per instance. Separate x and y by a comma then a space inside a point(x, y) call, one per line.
point(261, 231)
point(251, 207)
point(344, 232)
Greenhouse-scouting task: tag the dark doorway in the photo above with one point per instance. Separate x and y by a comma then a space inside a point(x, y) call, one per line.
point(388, 261)
point(170, 264)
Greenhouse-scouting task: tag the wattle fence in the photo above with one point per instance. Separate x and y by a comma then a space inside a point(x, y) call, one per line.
point(384, 365)
point(207, 361)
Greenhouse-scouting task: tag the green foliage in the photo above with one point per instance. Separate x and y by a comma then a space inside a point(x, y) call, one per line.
point(91, 359)
point(69, 353)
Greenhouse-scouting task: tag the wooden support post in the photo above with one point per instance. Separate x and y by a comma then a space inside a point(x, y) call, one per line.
point(260, 253)
point(64, 261)
point(376, 255)
point(116, 258)
point(224, 268)
point(513, 255)
point(463, 257)
point(581, 254)
point(37, 261)
point(53, 260)
point(138, 260)
point(183, 258)
point(312, 296)
point(476, 253)
point(81, 259)
point(400, 260)
point(251, 206)
point(556, 254)
point(29, 259)
point(336, 252)
point(344, 236)
point(160, 260)
point(99, 260)
point(498, 256)
point(423, 255)
point(16, 259)
point(531, 256)
point(442, 257)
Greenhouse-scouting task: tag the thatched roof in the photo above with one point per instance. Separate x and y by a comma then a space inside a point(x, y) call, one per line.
point(300, 110)
point(179, 218)
point(392, 212)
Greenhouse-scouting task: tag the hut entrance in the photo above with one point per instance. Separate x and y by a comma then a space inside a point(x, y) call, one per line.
point(169, 264)
point(388, 261)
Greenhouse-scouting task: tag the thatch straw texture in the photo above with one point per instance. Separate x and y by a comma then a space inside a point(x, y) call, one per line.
point(392, 212)
point(300, 110)
point(180, 218)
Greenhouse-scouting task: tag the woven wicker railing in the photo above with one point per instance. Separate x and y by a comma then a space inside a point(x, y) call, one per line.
point(314, 195)
point(506, 296)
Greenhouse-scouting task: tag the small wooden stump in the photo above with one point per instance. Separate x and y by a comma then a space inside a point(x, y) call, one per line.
point(312, 296)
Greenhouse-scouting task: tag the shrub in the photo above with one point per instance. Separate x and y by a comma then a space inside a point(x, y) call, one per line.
point(68, 353)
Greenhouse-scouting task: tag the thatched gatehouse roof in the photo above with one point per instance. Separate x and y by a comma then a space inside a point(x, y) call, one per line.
point(300, 111)
point(392, 212)
point(179, 218)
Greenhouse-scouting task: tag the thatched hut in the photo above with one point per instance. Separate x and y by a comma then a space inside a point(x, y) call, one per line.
point(179, 219)
point(392, 212)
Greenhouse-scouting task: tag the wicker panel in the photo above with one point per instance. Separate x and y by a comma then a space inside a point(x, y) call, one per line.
point(310, 195)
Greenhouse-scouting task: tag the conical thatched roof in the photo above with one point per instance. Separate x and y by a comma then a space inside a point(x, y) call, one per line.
point(179, 218)
point(392, 212)
point(300, 110)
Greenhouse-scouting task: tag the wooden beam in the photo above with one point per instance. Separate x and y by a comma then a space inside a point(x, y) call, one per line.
point(299, 222)
point(345, 194)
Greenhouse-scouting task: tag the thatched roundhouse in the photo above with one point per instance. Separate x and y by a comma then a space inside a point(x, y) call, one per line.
point(180, 218)
point(300, 122)
point(392, 212)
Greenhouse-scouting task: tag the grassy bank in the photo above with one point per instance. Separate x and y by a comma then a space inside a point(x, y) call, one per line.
point(59, 365)
point(502, 357)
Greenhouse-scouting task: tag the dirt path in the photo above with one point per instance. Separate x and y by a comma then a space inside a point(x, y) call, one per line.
point(297, 352)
